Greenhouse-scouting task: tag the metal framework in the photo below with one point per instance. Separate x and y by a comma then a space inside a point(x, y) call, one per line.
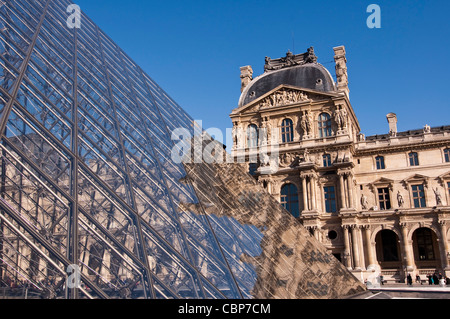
point(87, 178)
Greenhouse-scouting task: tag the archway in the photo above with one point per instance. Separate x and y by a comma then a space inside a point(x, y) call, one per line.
point(389, 255)
point(426, 251)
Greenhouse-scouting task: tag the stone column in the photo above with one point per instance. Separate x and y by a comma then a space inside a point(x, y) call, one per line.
point(312, 182)
point(305, 195)
point(360, 248)
point(407, 248)
point(342, 190)
point(443, 229)
point(370, 248)
point(351, 203)
point(347, 260)
point(355, 242)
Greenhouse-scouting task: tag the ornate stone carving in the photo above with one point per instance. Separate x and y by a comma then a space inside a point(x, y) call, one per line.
point(341, 69)
point(306, 124)
point(265, 133)
point(438, 197)
point(364, 202)
point(287, 160)
point(341, 117)
point(246, 76)
point(400, 199)
point(290, 60)
point(283, 97)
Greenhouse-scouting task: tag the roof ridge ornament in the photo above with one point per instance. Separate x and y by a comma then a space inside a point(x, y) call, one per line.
point(290, 60)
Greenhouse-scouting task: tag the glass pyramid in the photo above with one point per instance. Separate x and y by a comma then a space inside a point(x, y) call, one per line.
point(92, 204)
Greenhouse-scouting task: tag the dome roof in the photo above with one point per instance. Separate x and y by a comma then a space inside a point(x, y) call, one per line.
point(311, 76)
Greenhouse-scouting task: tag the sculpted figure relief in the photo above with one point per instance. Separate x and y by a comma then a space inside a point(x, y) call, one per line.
point(283, 97)
point(364, 202)
point(400, 200)
point(340, 116)
point(306, 123)
point(438, 197)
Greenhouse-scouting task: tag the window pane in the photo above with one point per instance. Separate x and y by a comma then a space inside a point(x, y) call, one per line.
point(380, 162)
point(327, 160)
point(447, 155)
point(252, 136)
point(384, 199)
point(289, 199)
point(413, 159)
point(324, 125)
point(287, 131)
point(418, 196)
point(330, 199)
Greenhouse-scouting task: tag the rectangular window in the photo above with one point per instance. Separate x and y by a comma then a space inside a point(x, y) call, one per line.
point(330, 199)
point(384, 198)
point(380, 162)
point(447, 155)
point(418, 195)
point(327, 160)
point(413, 159)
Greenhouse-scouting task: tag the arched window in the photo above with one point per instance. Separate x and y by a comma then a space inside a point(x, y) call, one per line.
point(425, 247)
point(289, 199)
point(252, 136)
point(287, 131)
point(324, 125)
point(389, 245)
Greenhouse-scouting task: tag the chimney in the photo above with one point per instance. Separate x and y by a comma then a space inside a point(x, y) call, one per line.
point(341, 70)
point(392, 120)
point(246, 76)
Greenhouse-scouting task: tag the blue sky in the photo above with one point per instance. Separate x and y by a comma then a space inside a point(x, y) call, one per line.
point(194, 51)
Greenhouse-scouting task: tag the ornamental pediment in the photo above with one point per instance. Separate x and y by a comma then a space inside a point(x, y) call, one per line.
point(283, 95)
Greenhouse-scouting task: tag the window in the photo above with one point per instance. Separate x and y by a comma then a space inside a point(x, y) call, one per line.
point(324, 125)
point(384, 198)
point(332, 234)
point(413, 159)
point(389, 242)
point(447, 155)
point(327, 160)
point(424, 239)
point(330, 199)
point(287, 131)
point(252, 136)
point(380, 162)
point(252, 168)
point(418, 195)
point(289, 199)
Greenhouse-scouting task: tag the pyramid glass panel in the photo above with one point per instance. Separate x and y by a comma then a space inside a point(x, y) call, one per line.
point(92, 202)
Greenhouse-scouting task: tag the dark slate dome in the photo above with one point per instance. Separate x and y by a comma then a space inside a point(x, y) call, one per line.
point(311, 76)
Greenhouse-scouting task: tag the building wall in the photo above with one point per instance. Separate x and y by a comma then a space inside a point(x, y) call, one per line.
point(355, 229)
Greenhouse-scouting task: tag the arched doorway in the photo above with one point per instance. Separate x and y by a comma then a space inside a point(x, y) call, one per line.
point(389, 255)
point(426, 251)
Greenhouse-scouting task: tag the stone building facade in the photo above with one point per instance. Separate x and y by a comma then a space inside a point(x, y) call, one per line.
point(380, 204)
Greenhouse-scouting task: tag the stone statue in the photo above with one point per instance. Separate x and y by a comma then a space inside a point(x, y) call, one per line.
point(400, 200)
point(304, 123)
point(306, 156)
point(235, 135)
point(340, 116)
point(438, 197)
point(364, 202)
